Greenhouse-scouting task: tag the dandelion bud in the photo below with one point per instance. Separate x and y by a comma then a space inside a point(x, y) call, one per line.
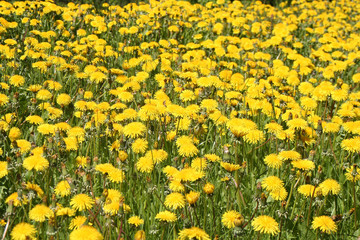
point(192, 197)
point(140, 235)
point(209, 188)
point(320, 169)
point(123, 156)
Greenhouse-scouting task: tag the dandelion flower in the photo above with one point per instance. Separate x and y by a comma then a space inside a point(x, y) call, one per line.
point(232, 219)
point(136, 221)
point(351, 144)
point(37, 162)
point(139, 145)
point(265, 224)
point(325, 224)
point(254, 136)
point(134, 129)
point(81, 202)
point(116, 175)
point(145, 164)
point(16, 200)
point(63, 99)
point(272, 183)
point(14, 134)
point(63, 189)
point(329, 186)
point(289, 155)
point(3, 169)
point(352, 173)
point(40, 212)
point(273, 161)
point(176, 186)
point(77, 222)
point(230, 167)
point(279, 194)
point(166, 216)
point(175, 201)
point(43, 94)
point(23, 231)
point(305, 165)
point(85, 233)
point(309, 190)
point(3, 99)
point(297, 124)
point(17, 80)
point(193, 233)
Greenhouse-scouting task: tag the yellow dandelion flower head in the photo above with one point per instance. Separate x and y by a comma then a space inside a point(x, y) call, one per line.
point(273, 127)
point(65, 211)
point(104, 168)
point(17, 80)
point(36, 162)
point(209, 104)
point(63, 99)
point(43, 94)
point(230, 167)
point(212, 157)
point(23, 231)
point(351, 144)
point(15, 200)
point(352, 173)
point(35, 119)
point(330, 186)
point(273, 161)
point(232, 219)
point(85, 232)
point(145, 164)
point(254, 136)
point(3, 169)
point(309, 190)
point(40, 212)
point(199, 163)
point(3, 99)
point(174, 200)
point(77, 222)
point(193, 233)
point(289, 155)
point(325, 224)
point(116, 175)
point(134, 129)
point(136, 221)
point(81, 202)
point(35, 187)
point(279, 194)
point(240, 127)
point(170, 171)
point(139, 145)
point(272, 183)
point(265, 224)
point(176, 186)
point(305, 165)
point(297, 124)
point(166, 216)
point(157, 155)
point(63, 189)
point(14, 133)
point(189, 174)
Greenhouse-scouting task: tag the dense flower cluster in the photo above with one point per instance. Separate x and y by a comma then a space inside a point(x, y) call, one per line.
point(172, 120)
